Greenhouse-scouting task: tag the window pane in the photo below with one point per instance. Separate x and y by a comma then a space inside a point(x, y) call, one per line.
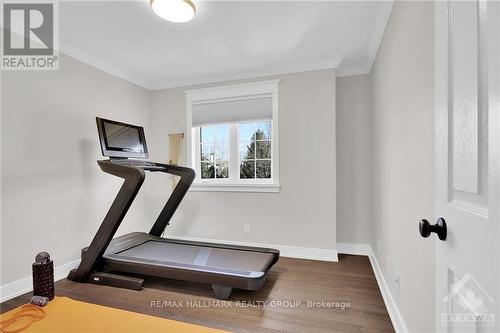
point(222, 169)
point(207, 134)
point(207, 152)
point(247, 131)
point(264, 127)
point(247, 169)
point(222, 133)
point(207, 170)
point(264, 169)
point(247, 150)
point(216, 133)
point(263, 149)
point(222, 151)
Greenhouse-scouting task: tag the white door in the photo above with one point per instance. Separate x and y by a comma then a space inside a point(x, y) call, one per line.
point(468, 165)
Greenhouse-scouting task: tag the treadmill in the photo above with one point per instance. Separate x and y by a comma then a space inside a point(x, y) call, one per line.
point(106, 260)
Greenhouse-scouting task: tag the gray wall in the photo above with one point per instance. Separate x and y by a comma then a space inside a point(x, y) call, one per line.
point(54, 195)
point(403, 150)
point(303, 213)
point(354, 159)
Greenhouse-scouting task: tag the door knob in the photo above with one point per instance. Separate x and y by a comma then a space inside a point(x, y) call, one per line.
point(439, 228)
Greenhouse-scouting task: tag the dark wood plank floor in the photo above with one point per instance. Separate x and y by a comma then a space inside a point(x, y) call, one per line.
point(351, 280)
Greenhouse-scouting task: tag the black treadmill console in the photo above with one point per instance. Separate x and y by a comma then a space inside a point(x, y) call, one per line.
point(119, 140)
point(131, 162)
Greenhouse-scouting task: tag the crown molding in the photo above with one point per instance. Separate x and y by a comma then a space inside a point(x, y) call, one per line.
point(250, 75)
point(93, 61)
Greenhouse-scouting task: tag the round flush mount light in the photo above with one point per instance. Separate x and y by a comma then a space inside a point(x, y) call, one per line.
point(174, 10)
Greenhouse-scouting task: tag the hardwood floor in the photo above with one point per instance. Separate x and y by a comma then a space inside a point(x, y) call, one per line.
point(351, 280)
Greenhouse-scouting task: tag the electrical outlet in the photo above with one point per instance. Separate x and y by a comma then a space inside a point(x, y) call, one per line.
point(246, 227)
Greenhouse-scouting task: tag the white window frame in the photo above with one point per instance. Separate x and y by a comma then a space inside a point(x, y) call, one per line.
point(233, 92)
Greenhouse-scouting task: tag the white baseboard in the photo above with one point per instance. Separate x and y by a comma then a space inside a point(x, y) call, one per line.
point(390, 303)
point(22, 286)
point(355, 249)
point(285, 250)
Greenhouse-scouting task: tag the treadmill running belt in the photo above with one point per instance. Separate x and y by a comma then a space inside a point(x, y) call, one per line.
point(201, 256)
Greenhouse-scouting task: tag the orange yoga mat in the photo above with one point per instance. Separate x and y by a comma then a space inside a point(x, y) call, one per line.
point(65, 315)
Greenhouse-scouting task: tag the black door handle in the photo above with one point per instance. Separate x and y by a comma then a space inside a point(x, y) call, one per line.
point(439, 228)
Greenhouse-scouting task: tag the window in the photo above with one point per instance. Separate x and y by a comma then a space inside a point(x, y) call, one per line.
point(233, 141)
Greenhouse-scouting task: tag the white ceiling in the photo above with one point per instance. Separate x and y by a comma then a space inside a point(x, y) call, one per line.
point(225, 40)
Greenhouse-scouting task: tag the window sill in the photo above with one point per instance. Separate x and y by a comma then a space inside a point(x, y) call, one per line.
point(256, 188)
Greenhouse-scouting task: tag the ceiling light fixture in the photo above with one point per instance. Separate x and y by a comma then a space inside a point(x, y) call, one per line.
point(174, 10)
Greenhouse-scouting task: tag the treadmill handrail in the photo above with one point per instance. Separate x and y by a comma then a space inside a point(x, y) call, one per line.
point(133, 176)
point(187, 176)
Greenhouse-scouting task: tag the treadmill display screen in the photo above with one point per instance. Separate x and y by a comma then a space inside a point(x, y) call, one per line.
point(121, 140)
point(122, 137)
